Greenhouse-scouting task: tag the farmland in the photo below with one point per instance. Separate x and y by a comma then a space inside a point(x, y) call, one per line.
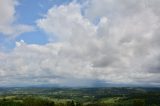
point(48, 96)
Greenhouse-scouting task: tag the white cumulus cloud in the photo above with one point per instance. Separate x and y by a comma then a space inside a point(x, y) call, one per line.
point(110, 41)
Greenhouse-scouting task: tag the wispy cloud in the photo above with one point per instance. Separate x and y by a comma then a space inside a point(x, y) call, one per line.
point(8, 18)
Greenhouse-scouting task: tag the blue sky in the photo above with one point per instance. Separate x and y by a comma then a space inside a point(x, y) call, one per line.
point(79, 43)
point(27, 12)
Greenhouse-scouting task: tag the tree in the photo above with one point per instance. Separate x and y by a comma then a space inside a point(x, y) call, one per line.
point(138, 102)
point(70, 103)
point(78, 104)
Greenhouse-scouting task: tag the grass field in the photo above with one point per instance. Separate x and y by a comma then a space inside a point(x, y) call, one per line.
point(80, 97)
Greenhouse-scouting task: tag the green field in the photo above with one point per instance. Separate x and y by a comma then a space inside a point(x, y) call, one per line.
point(79, 96)
point(110, 100)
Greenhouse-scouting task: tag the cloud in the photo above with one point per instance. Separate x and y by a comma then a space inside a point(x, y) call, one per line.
point(122, 47)
point(8, 18)
point(121, 42)
point(67, 18)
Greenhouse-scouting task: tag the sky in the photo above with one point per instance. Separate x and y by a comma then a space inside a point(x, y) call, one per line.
point(80, 43)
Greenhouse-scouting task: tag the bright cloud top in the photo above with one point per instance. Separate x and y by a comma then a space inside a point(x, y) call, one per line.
point(114, 42)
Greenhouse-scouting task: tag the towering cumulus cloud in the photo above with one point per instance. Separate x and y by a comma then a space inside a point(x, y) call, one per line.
point(109, 41)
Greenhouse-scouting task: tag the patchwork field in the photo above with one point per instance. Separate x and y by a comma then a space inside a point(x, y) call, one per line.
point(79, 96)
